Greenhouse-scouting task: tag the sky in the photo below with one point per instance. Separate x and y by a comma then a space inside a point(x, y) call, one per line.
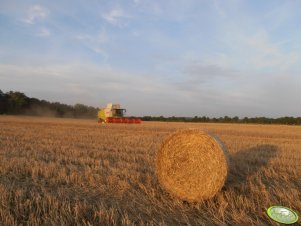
point(172, 58)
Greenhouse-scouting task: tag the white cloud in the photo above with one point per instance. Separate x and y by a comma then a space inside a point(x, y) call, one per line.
point(35, 13)
point(201, 72)
point(95, 42)
point(91, 80)
point(266, 54)
point(116, 17)
point(23, 71)
point(44, 32)
point(219, 8)
point(254, 51)
point(259, 94)
point(136, 33)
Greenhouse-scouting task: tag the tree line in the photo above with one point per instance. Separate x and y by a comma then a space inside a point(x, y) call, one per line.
point(17, 103)
point(226, 119)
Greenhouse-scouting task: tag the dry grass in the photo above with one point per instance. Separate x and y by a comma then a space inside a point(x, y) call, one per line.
point(191, 165)
point(76, 172)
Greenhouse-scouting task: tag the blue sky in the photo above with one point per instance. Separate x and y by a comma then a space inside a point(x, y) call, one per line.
point(180, 57)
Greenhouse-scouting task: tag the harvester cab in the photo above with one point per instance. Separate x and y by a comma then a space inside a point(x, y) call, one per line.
point(113, 113)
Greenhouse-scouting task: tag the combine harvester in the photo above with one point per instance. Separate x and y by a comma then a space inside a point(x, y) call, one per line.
point(114, 114)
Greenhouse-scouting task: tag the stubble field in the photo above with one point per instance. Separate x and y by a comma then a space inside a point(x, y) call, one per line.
point(78, 172)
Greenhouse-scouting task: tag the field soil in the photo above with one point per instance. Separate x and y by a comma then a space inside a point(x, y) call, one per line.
point(78, 172)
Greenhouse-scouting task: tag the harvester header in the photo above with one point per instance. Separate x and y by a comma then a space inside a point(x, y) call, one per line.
point(113, 113)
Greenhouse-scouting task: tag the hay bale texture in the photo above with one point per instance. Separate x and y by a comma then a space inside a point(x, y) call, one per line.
point(192, 165)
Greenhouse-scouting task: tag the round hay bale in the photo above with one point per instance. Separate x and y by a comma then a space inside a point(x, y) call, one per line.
point(192, 165)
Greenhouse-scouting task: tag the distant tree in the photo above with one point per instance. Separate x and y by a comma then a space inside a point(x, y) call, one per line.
point(235, 119)
point(83, 111)
point(214, 120)
point(147, 118)
point(227, 119)
point(3, 103)
point(80, 110)
point(16, 102)
point(195, 119)
point(245, 120)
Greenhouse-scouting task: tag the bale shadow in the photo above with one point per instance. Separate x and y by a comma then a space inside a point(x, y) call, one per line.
point(248, 162)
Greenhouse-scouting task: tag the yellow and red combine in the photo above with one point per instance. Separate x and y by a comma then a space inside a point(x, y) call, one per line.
point(113, 113)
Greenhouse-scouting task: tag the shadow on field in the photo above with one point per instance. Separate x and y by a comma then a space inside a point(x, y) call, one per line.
point(248, 162)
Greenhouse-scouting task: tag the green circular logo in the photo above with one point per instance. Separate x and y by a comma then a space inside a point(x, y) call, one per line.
point(282, 214)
